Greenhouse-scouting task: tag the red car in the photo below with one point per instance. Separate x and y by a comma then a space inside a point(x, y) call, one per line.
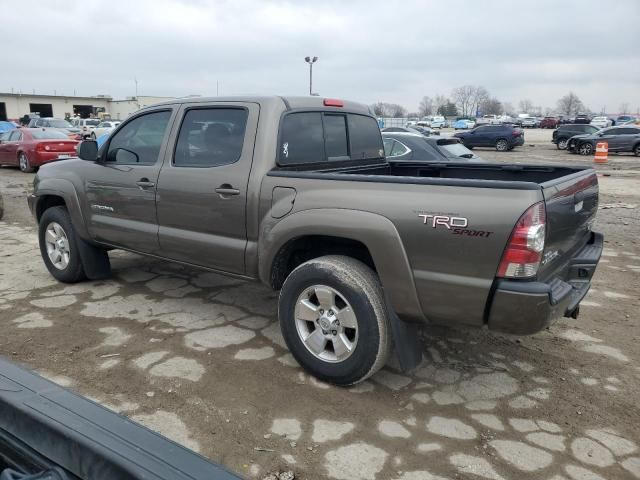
point(29, 148)
point(549, 122)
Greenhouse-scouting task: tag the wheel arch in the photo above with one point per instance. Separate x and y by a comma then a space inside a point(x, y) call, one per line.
point(60, 192)
point(376, 242)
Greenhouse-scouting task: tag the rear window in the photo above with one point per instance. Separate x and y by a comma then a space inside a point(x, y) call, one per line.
point(315, 137)
point(49, 134)
point(92, 123)
point(57, 123)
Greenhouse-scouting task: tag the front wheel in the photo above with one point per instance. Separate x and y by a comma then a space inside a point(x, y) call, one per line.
point(334, 319)
point(585, 149)
point(502, 145)
point(58, 246)
point(24, 164)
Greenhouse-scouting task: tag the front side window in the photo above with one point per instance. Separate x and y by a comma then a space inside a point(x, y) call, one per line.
point(210, 137)
point(140, 140)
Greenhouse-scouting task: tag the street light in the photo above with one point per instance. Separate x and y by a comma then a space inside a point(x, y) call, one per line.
point(311, 61)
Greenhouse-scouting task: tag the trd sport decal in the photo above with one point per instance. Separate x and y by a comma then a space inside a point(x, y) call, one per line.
point(456, 225)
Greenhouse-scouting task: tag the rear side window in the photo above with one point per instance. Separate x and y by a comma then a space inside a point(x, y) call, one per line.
point(211, 137)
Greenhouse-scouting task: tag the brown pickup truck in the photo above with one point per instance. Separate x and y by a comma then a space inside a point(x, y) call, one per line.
point(297, 193)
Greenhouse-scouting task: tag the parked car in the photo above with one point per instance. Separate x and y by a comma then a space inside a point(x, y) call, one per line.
point(529, 122)
point(412, 147)
point(354, 244)
point(563, 133)
point(107, 126)
point(601, 122)
point(619, 139)
point(488, 120)
point(464, 124)
point(86, 125)
point(582, 118)
point(624, 119)
point(501, 137)
point(29, 148)
point(55, 123)
point(549, 122)
point(7, 126)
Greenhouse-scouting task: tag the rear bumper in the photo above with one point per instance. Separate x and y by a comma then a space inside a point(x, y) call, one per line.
point(523, 308)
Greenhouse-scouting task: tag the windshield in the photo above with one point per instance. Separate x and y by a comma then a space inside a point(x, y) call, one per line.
point(48, 134)
point(58, 123)
point(456, 149)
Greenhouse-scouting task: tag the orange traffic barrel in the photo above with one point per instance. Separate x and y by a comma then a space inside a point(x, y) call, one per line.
point(602, 152)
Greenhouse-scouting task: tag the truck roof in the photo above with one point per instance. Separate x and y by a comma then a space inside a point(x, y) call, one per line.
point(289, 102)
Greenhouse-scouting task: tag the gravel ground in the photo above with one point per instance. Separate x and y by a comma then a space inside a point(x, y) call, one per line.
point(199, 358)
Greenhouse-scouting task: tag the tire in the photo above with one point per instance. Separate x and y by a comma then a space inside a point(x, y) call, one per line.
point(23, 163)
point(502, 145)
point(55, 219)
point(636, 150)
point(355, 292)
point(584, 148)
point(562, 143)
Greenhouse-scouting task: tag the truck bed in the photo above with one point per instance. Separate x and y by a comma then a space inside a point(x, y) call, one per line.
point(524, 177)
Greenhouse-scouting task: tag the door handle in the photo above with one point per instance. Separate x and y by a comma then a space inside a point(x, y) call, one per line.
point(145, 183)
point(226, 190)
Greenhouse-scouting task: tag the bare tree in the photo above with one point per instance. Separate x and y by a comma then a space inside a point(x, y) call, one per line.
point(384, 109)
point(570, 104)
point(480, 95)
point(526, 106)
point(491, 106)
point(624, 108)
point(439, 102)
point(426, 107)
point(463, 97)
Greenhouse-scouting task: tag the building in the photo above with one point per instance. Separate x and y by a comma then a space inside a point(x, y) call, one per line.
point(15, 105)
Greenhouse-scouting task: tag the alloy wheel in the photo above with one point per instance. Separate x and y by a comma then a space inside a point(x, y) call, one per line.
point(57, 244)
point(326, 323)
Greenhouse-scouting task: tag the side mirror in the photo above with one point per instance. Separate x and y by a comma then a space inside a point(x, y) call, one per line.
point(88, 150)
point(124, 156)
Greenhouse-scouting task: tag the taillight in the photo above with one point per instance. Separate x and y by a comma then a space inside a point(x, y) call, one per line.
point(42, 146)
point(522, 256)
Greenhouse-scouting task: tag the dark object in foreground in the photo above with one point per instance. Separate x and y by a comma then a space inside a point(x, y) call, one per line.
point(45, 429)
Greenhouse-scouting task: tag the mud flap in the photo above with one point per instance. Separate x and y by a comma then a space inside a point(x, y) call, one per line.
point(406, 341)
point(95, 260)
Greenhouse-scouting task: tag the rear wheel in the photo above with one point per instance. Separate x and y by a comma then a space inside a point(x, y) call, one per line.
point(585, 149)
point(24, 164)
point(334, 319)
point(562, 144)
point(502, 145)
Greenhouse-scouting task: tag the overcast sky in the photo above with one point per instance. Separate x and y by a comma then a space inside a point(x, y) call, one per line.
point(368, 50)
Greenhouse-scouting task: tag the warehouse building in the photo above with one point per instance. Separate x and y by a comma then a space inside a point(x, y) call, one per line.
point(15, 105)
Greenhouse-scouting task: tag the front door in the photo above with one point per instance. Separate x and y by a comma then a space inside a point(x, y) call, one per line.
point(202, 190)
point(121, 187)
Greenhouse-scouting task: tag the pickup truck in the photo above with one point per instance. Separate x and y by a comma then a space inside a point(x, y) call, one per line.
point(296, 192)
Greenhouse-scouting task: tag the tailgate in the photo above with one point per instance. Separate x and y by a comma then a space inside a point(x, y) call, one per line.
point(571, 203)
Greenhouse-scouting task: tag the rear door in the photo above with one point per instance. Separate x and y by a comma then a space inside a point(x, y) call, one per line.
point(121, 187)
point(203, 186)
point(10, 148)
point(627, 138)
point(571, 206)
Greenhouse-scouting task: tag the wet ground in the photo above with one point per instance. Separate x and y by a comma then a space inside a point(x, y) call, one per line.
point(199, 358)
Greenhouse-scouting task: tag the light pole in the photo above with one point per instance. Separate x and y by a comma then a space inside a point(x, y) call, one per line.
point(311, 61)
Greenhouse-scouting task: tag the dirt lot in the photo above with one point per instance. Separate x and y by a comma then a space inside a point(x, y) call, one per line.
point(199, 358)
